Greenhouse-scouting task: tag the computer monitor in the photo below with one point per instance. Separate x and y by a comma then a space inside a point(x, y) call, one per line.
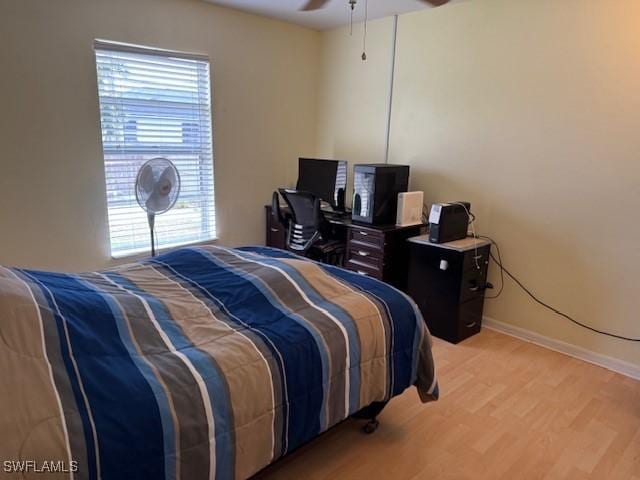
point(326, 179)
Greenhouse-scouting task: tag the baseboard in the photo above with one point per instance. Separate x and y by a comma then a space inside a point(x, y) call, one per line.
point(610, 363)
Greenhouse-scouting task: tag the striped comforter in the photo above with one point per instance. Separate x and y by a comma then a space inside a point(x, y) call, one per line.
point(201, 363)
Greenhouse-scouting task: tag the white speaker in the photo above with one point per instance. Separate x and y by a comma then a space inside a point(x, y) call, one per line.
point(409, 208)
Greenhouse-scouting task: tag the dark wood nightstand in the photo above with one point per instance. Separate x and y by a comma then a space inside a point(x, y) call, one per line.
point(448, 283)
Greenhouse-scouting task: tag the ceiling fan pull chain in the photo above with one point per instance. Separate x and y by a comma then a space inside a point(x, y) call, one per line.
point(364, 38)
point(351, 20)
point(352, 4)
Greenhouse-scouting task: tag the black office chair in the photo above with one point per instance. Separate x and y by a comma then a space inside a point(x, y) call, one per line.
point(308, 232)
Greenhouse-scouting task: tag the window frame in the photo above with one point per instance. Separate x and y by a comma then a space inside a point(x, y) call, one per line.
point(203, 157)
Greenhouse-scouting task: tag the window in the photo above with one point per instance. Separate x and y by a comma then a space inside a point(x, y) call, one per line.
point(155, 103)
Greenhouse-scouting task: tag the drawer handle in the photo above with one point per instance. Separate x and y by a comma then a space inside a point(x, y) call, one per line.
point(274, 230)
point(360, 272)
point(470, 325)
point(364, 234)
point(474, 289)
point(362, 253)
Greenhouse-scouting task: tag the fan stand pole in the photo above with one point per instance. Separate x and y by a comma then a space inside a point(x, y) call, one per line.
point(152, 220)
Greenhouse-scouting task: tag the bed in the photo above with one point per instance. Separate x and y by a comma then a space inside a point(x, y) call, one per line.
point(201, 363)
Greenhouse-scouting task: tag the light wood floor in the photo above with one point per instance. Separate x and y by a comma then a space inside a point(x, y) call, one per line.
point(508, 410)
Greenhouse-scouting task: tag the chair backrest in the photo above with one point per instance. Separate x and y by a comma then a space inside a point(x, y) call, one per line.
point(275, 209)
point(305, 221)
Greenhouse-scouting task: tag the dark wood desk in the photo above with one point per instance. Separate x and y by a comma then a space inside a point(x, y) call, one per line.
point(378, 251)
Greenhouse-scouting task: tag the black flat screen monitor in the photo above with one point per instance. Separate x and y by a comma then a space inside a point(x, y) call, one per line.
point(326, 179)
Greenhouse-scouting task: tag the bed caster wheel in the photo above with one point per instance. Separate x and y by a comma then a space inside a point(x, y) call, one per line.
point(371, 426)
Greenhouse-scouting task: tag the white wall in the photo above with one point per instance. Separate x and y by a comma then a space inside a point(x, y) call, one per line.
point(529, 109)
point(52, 194)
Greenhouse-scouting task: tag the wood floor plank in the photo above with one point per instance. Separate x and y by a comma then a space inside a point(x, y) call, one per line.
point(508, 409)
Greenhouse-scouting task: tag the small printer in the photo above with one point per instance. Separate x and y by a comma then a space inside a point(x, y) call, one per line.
point(448, 221)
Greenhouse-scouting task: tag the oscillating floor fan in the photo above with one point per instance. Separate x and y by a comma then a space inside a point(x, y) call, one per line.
point(157, 189)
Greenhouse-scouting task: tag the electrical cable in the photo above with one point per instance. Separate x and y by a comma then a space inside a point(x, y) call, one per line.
point(472, 219)
point(499, 263)
point(364, 37)
point(425, 213)
point(351, 23)
point(504, 270)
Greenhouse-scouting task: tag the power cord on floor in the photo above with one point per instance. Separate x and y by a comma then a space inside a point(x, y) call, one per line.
point(504, 270)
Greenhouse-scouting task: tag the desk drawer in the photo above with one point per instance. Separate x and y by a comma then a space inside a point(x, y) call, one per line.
point(365, 253)
point(473, 283)
point(363, 269)
point(469, 319)
point(368, 237)
point(371, 262)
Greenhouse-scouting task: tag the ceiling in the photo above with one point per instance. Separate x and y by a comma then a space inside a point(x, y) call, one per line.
point(334, 15)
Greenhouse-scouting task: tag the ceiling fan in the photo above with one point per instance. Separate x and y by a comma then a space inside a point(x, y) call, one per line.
point(312, 5)
point(318, 4)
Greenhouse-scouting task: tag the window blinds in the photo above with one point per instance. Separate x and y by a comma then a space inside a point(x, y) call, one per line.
point(155, 103)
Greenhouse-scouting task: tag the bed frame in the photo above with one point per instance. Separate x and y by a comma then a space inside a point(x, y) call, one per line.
point(370, 413)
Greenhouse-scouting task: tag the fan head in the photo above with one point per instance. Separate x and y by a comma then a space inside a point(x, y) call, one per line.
point(157, 186)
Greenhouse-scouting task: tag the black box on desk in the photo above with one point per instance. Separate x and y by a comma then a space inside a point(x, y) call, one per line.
point(448, 221)
point(375, 192)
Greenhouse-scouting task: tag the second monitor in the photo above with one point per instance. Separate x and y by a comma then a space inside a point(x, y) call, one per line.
point(326, 179)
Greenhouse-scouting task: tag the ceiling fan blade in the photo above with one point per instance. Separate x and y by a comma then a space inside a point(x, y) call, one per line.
point(436, 3)
point(314, 5)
